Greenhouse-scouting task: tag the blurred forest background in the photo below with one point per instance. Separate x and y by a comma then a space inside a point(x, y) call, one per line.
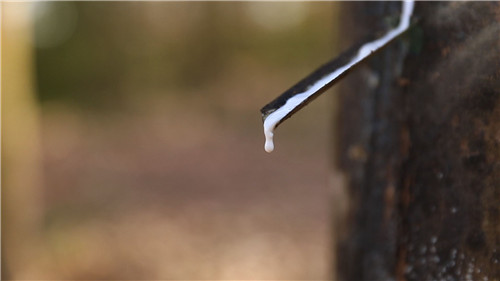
point(132, 143)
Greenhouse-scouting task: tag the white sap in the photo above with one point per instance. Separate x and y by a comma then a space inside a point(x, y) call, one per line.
point(276, 116)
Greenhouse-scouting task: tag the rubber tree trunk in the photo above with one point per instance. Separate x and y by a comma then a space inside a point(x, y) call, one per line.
point(419, 131)
point(21, 160)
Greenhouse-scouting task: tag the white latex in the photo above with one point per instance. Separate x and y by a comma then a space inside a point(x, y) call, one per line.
point(276, 116)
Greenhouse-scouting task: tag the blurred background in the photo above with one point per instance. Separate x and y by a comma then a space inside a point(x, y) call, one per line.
point(132, 143)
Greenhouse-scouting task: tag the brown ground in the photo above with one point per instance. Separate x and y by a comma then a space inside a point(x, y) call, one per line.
point(176, 192)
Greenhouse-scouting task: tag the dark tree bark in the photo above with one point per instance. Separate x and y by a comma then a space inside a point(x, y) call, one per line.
point(419, 132)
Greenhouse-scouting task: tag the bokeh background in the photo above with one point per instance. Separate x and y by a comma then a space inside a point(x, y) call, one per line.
point(132, 143)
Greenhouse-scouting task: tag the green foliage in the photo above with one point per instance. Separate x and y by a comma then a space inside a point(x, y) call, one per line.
point(118, 50)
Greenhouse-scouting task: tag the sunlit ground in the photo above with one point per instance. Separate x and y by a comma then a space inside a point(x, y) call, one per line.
point(151, 148)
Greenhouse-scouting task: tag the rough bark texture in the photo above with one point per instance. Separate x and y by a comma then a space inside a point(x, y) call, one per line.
point(420, 144)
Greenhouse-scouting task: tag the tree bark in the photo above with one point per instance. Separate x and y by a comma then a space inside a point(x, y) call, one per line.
point(21, 159)
point(419, 132)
